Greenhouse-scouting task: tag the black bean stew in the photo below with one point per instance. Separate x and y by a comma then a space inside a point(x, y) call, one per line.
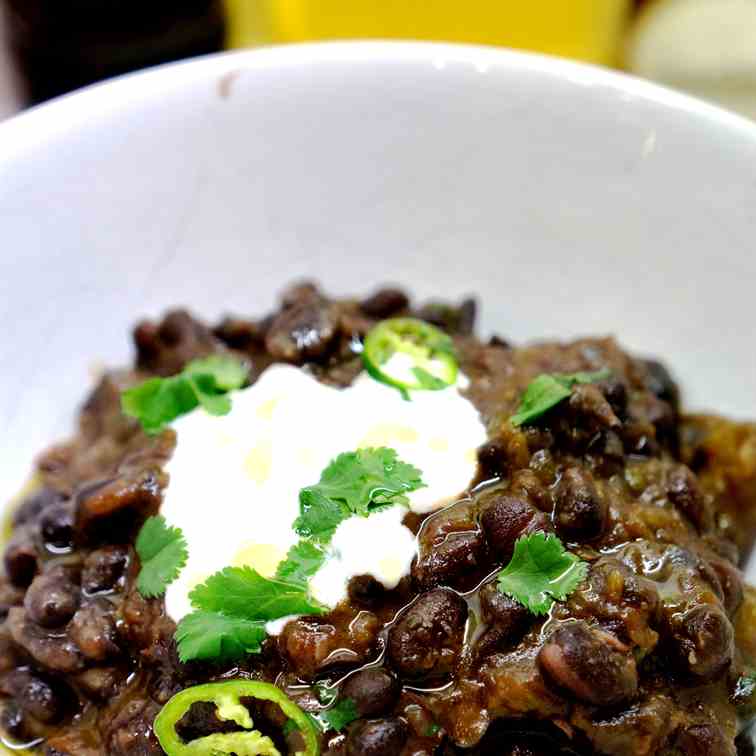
point(652, 654)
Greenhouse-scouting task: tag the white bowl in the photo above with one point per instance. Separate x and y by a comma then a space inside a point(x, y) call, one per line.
point(571, 199)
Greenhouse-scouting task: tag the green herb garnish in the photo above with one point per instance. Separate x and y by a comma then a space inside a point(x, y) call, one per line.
point(339, 715)
point(430, 363)
point(432, 730)
point(548, 390)
point(162, 552)
point(215, 636)
point(232, 607)
point(541, 571)
point(302, 562)
point(203, 382)
point(243, 592)
point(354, 483)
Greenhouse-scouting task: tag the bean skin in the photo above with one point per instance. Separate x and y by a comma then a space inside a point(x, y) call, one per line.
point(509, 616)
point(592, 664)
point(94, 632)
point(104, 568)
point(376, 737)
point(57, 524)
point(374, 691)
point(579, 512)
point(385, 303)
point(20, 560)
point(52, 598)
point(427, 638)
point(704, 640)
point(505, 518)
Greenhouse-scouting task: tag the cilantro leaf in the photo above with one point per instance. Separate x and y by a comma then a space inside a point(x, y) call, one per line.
point(355, 480)
point(162, 552)
point(243, 592)
point(319, 516)
point(541, 570)
point(202, 382)
point(339, 715)
point(209, 635)
point(548, 390)
point(302, 562)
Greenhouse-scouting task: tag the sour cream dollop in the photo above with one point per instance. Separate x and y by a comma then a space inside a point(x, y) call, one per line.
point(234, 480)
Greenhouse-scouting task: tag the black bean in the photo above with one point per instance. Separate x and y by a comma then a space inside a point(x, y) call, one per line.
point(449, 561)
point(52, 650)
point(661, 384)
point(99, 683)
point(579, 512)
point(130, 732)
point(365, 591)
point(685, 493)
point(146, 341)
point(93, 630)
point(427, 638)
point(458, 320)
point(20, 559)
point(374, 691)
point(113, 510)
point(615, 391)
point(104, 567)
point(731, 580)
point(506, 517)
point(34, 505)
point(304, 292)
point(703, 638)
point(703, 740)
point(591, 407)
point(57, 524)
point(527, 484)
point(12, 721)
point(376, 737)
point(240, 334)
point(509, 616)
point(178, 339)
point(385, 303)
point(492, 459)
point(40, 700)
point(592, 664)
point(52, 598)
point(303, 332)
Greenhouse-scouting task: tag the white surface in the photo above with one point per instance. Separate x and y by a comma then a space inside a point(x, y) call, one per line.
point(279, 436)
point(571, 199)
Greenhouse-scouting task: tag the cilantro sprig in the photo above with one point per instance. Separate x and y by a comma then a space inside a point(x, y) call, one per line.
point(162, 552)
point(354, 483)
point(541, 571)
point(232, 606)
point(548, 390)
point(203, 382)
point(231, 609)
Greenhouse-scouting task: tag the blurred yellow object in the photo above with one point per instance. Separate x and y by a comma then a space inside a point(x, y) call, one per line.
point(705, 47)
point(589, 30)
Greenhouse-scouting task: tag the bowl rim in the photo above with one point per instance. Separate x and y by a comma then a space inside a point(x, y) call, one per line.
point(31, 128)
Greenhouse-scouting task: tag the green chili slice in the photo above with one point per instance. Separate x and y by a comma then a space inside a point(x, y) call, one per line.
point(227, 698)
point(410, 355)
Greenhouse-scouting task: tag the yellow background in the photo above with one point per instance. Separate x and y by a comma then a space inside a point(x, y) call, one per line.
point(585, 29)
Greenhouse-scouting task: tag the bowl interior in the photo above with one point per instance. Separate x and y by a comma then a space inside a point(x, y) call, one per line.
point(570, 199)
